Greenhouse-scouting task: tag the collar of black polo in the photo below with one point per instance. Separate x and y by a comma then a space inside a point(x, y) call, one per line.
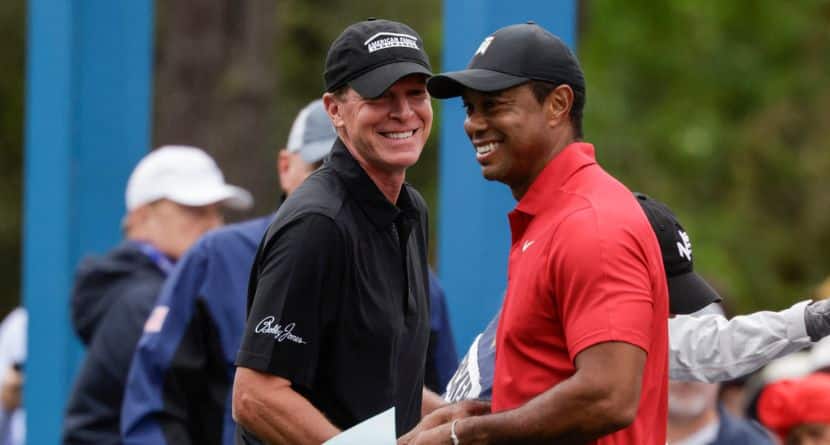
point(380, 211)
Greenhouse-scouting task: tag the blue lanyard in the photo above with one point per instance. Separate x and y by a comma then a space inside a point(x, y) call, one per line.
point(159, 259)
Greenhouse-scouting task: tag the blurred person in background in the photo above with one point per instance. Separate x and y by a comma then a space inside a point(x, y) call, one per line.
point(12, 360)
point(697, 418)
point(178, 386)
point(442, 359)
point(173, 196)
point(798, 410)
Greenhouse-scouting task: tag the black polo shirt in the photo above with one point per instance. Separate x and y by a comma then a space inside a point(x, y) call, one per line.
point(338, 298)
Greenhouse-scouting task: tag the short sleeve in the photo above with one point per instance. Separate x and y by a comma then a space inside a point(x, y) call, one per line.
point(602, 283)
point(298, 279)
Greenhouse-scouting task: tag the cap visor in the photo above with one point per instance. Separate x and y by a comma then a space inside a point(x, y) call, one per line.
point(231, 196)
point(373, 83)
point(690, 293)
point(452, 84)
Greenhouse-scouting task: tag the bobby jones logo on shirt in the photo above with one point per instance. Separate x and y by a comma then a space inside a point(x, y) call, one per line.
point(280, 333)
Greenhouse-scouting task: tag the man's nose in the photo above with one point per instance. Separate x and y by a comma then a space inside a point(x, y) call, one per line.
point(474, 123)
point(401, 109)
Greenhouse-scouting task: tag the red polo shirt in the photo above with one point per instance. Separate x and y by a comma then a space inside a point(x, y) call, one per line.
point(585, 268)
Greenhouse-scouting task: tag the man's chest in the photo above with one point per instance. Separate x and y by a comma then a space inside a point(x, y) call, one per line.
point(531, 310)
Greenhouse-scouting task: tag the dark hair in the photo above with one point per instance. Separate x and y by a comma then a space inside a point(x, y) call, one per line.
point(341, 92)
point(542, 89)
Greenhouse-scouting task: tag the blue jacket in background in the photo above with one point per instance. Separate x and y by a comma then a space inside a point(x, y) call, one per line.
point(178, 390)
point(442, 359)
point(736, 431)
point(112, 297)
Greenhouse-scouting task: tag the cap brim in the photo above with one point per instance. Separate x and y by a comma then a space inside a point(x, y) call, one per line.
point(373, 83)
point(231, 196)
point(453, 84)
point(690, 293)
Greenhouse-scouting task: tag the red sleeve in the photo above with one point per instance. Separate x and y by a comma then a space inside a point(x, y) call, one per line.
point(601, 282)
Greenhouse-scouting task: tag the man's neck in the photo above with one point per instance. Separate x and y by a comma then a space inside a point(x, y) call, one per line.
point(519, 189)
point(390, 184)
point(680, 429)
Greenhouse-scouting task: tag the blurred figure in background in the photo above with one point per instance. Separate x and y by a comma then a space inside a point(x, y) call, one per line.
point(179, 382)
point(173, 197)
point(12, 360)
point(798, 410)
point(697, 418)
point(442, 359)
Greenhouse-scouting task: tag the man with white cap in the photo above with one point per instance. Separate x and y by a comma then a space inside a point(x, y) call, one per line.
point(173, 197)
point(179, 382)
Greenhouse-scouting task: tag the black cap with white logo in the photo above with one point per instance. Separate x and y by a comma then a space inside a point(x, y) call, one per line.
point(370, 56)
point(688, 291)
point(512, 56)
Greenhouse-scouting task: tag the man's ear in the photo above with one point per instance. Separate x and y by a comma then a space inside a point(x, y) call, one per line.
point(558, 104)
point(332, 106)
point(134, 222)
point(283, 162)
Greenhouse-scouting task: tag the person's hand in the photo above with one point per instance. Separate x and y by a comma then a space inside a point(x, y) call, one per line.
point(11, 389)
point(445, 415)
point(440, 435)
point(817, 319)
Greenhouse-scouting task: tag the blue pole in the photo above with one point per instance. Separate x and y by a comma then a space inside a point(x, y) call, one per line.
point(474, 236)
point(87, 124)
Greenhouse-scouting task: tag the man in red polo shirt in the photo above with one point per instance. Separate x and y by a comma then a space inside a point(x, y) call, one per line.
point(582, 339)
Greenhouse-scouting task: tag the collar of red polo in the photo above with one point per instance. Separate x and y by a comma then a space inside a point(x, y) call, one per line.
point(570, 160)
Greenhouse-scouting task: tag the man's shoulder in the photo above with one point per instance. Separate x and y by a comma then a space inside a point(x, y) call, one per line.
point(319, 198)
point(322, 193)
point(600, 196)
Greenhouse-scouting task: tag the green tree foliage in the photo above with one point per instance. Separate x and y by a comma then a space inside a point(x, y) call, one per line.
point(721, 110)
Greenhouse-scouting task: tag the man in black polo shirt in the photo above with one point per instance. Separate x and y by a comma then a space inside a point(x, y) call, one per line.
point(338, 320)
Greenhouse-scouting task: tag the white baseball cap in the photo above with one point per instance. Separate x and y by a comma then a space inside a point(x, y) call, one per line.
point(184, 175)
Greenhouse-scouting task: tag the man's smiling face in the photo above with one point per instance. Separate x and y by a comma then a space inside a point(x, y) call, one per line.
point(388, 132)
point(508, 129)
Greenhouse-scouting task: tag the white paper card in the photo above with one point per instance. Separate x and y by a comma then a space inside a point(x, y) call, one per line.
point(377, 430)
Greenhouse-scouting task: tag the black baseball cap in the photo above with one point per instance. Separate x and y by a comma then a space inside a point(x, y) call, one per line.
point(688, 291)
point(509, 57)
point(371, 55)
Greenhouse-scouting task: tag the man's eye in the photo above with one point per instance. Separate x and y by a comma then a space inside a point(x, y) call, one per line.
point(468, 108)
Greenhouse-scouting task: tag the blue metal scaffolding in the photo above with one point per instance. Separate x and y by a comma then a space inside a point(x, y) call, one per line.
point(473, 233)
point(87, 124)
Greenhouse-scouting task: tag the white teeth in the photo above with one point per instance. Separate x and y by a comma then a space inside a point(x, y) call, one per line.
point(486, 148)
point(400, 134)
